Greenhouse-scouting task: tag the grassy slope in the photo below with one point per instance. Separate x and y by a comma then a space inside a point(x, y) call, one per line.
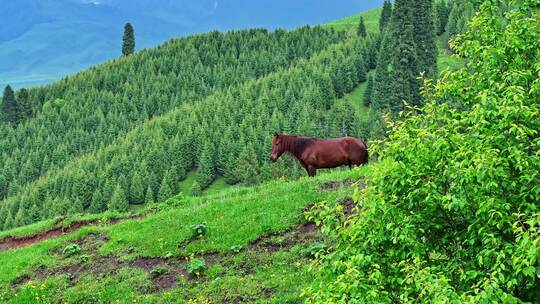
point(237, 216)
point(218, 185)
point(371, 20)
point(234, 216)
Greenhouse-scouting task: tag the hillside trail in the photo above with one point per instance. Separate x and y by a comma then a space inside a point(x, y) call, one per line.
point(12, 242)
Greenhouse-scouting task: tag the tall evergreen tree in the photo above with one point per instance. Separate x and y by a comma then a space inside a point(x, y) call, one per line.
point(118, 200)
point(382, 86)
point(424, 37)
point(405, 71)
point(369, 91)
point(8, 107)
point(98, 204)
point(386, 15)
point(441, 13)
point(247, 167)
point(206, 166)
point(8, 222)
point(136, 190)
point(166, 188)
point(361, 28)
point(149, 198)
point(24, 107)
point(128, 41)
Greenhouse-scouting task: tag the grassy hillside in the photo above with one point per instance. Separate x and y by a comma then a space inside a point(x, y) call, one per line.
point(371, 20)
point(256, 249)
point(136, 99)
point(117, 154)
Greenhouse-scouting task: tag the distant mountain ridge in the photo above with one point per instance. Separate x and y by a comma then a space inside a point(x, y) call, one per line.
point(43, 40)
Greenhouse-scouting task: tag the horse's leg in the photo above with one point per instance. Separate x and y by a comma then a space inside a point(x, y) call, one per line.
point(312, 171)
point(350, 164)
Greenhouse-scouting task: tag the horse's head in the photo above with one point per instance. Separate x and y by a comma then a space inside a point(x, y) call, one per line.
point(277, 147)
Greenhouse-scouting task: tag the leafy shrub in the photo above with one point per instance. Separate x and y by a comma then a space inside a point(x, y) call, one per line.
point(84, 258)
point(451, 213)
point(314, 250)
point(71, 249)
point(157, 271)
point(198, 230)
point(236, 248)
point(196, 267)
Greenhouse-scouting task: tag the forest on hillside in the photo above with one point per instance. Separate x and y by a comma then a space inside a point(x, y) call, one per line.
point(128, 131)
point(447, 211)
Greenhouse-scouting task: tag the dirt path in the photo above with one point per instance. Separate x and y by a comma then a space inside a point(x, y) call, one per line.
point(11, 242)
point(170, 267)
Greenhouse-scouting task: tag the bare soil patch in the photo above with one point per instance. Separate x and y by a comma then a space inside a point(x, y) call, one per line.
point(335, 185)
point(15, 242)
point(170, 267)
point(11, 242)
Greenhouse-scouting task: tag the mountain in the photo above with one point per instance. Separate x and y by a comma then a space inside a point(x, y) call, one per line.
point(43, 40)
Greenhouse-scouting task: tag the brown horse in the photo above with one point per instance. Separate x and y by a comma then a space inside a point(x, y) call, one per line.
point(314, 153)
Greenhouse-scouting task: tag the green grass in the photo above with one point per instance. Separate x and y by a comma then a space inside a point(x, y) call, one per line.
point(60, 222)
point(356, 98)
point(233, 216)
point(371, 20)
point(445, 60)
point(218, 185)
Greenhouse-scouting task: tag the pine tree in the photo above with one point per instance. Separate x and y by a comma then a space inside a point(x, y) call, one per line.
point(3, 186)
point(98, 204)
point(344, 119)
point(8, 223)
point(369, 91)
point(386, 15)
point(19, 218)
point(128, 41)
point(424, 38)
point(136, 190)
point(441, 12)
point(118, 201)
point(8, 107)
point(206, 167)
point(196, 189)
point(361, 32)
point(154, 184)
point(24, 107)
point(149, 198)
point(76, 206)
point(165, 189)
point(403, 76)
point(33, 214)
point(247, 167)
point(381, 83)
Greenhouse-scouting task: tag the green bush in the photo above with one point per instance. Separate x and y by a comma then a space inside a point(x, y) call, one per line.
point(198, 230)
point(156, 272)
point(451, 213)
point(236, 248)
point(315, 250)
point(71, 249)
point(196, 267)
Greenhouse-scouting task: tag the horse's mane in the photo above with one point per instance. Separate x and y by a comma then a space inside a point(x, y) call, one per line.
point(296, 144)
